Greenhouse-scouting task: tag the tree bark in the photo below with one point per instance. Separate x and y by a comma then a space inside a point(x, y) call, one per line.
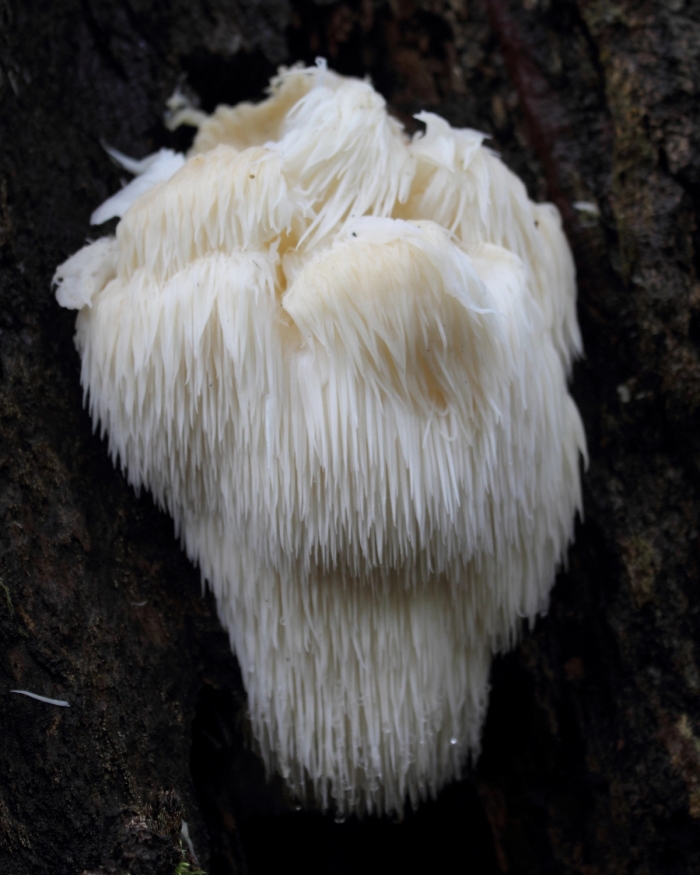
point(591, 751)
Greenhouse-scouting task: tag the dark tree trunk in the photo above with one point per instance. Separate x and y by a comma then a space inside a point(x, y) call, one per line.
point(591, 752)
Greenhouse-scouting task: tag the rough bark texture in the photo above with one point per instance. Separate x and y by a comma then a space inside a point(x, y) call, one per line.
point(591, 753)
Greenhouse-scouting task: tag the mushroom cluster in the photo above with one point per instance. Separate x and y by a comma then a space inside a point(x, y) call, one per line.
point(338, 357)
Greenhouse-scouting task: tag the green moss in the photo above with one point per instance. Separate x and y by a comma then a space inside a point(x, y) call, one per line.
point(186, 869)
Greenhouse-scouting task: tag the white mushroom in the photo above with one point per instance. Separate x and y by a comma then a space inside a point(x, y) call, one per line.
point(338, 358)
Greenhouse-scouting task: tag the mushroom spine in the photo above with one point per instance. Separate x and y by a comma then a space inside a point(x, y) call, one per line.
point(338, 357)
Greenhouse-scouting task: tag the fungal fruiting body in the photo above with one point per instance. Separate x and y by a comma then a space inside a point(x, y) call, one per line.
point(338, 356)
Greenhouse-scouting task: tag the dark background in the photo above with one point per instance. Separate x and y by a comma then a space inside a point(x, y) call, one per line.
point(591, 751)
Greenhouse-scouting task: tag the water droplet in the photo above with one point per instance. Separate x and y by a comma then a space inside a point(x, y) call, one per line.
point(453, 741)
point(295, 802)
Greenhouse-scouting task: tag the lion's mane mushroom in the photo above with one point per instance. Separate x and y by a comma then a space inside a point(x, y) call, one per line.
point(338, 357)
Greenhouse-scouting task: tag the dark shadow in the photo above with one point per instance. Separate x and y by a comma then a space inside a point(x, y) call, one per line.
point(449, 835)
